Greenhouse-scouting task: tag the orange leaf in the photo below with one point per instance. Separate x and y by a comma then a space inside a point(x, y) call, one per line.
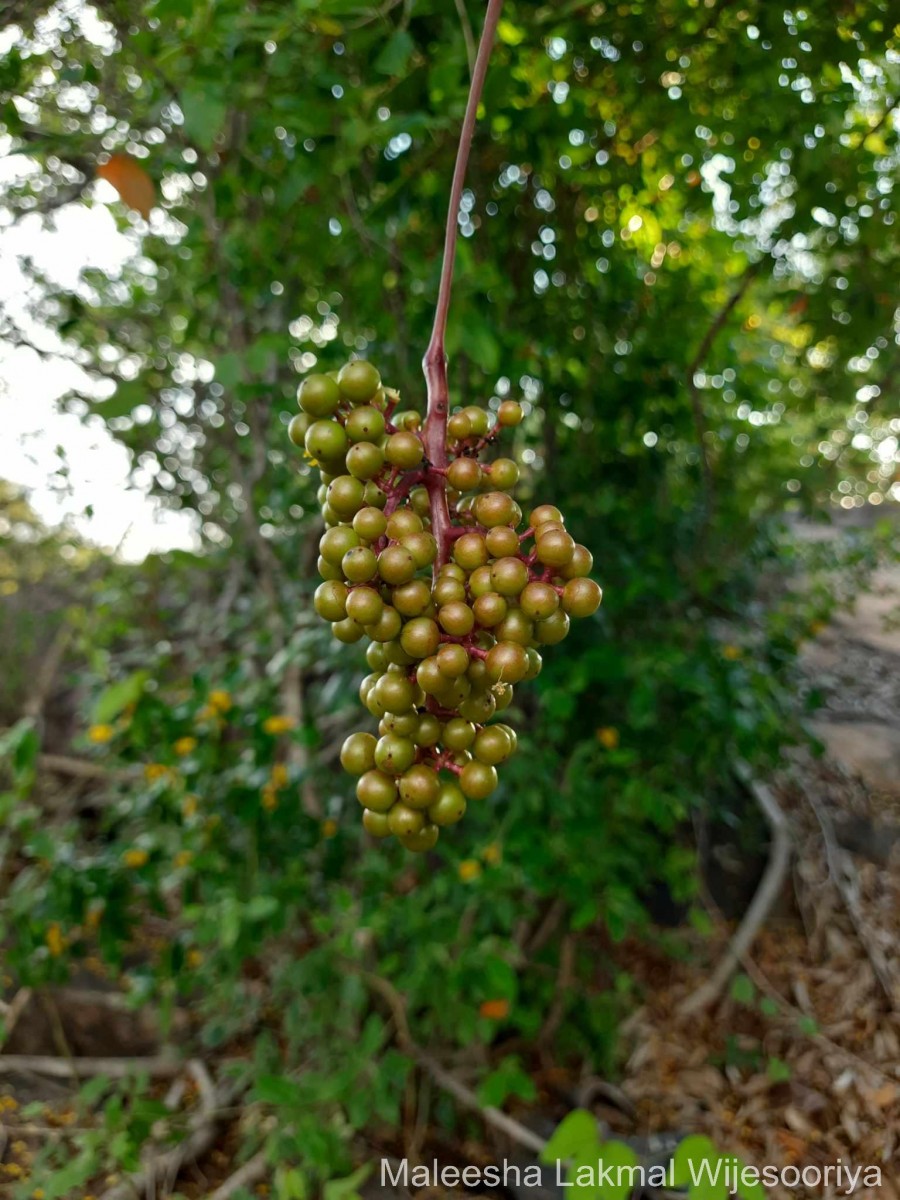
point(494, 1010)
point(131, 181)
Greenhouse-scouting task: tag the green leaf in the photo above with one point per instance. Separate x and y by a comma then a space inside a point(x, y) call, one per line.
point(622, 1159)
point(279, 1090)
point(509, 1079)
point(574, 1133)
point(696, 1166)
point(395, 54)
point(742, 990)
point(204, 115)
point(778, 1070)
point(261, 907)
point(290, 1184)
point(111, 702)
point(348, 1187)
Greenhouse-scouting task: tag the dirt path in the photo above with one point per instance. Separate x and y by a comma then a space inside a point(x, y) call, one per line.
point(800, 1064)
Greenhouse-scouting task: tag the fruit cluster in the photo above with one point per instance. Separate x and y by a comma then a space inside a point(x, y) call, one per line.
point(427, 561)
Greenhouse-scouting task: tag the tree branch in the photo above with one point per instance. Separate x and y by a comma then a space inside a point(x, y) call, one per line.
point(434, 364)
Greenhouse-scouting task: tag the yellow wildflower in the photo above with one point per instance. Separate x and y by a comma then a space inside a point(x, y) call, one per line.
point(8, 587)
point(279, 775)
point(135, 858)
point(817, 627)
point(194, 958)
point(38, 1194)
point(183, 858)
point(154, 771)
point(56, 943)
point(608, 737)
point(469, 869)
point(220, 700)
point(98, 734)
point(492, 853)
point(8, 1104)
point(278, 724)
point(189, 805)
point(732, 653)
point(14, 1170)
point(269, 798)
point(93, 918)
point(329, 828)
point(185, 745)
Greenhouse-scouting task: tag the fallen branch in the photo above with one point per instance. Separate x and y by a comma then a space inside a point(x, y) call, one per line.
point(844, 876)
point(10, 1013)
point(246, 1176)
point(81, 768)
point(396, 1002)
point(160, 1168)
point(761, 906)
point(160, 1067)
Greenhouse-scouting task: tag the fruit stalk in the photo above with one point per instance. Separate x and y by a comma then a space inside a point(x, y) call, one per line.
point(434, 364)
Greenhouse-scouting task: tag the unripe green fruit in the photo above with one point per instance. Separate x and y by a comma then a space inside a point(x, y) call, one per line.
point(396, 565)
point(477, 780)
point(511, 734)
point(504, 477)
point(508, 576)
point(402, 522)
point(358, 753)
point(374, 495)
point(554, 549)
point(509, 414)
point(335, 543)
point(325, 440)
point(328, 570)
point(453, 660)
point(538, 600)
point(376, 791)
point(369, 523)
point(552, 630)
point(419, 786)
point(405, 821)
point(404, 450)
point(395, 655)
point(489, 609)
point(347, 631)
point(420, 637)
point(364, 605)
point(364, 460)
point(422, 546)
point(480, 581)
point(470, 551)
point(395, 693)
point(449, 807)
point(456, 618)
point(459, 427)
point(448, 590)
point(364, 425)
point(297, 428)
point(418, 501)
point(345, 495)
point(502, 542)
point(479, 420)
point(503, 695)
point(458, 734)
point(506, 662)
point(464, 474)
point(406, 420)
point(544, 512)
point(420, 842)
point(430, 677)
point(493, 508)
point(477, 707)
point(581, 597)
point(515, 627)
point(318, 396)
point(376, 823)
point(330, 600)
point(405, 724)
point(359, 565)
point(579, 565)
point(394, 754)
point(387, 627)
point(428, 731)
point(411, 599)
point(359, 381)
point(535, 663)
point(492, 745)
point(375, 656)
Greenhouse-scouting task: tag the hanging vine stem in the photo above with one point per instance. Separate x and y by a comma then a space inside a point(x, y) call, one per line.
point(434, 364)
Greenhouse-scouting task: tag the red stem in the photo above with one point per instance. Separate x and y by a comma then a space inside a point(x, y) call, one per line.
point(434, 364)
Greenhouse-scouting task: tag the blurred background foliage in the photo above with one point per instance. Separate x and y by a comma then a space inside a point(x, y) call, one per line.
point(678, 249)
